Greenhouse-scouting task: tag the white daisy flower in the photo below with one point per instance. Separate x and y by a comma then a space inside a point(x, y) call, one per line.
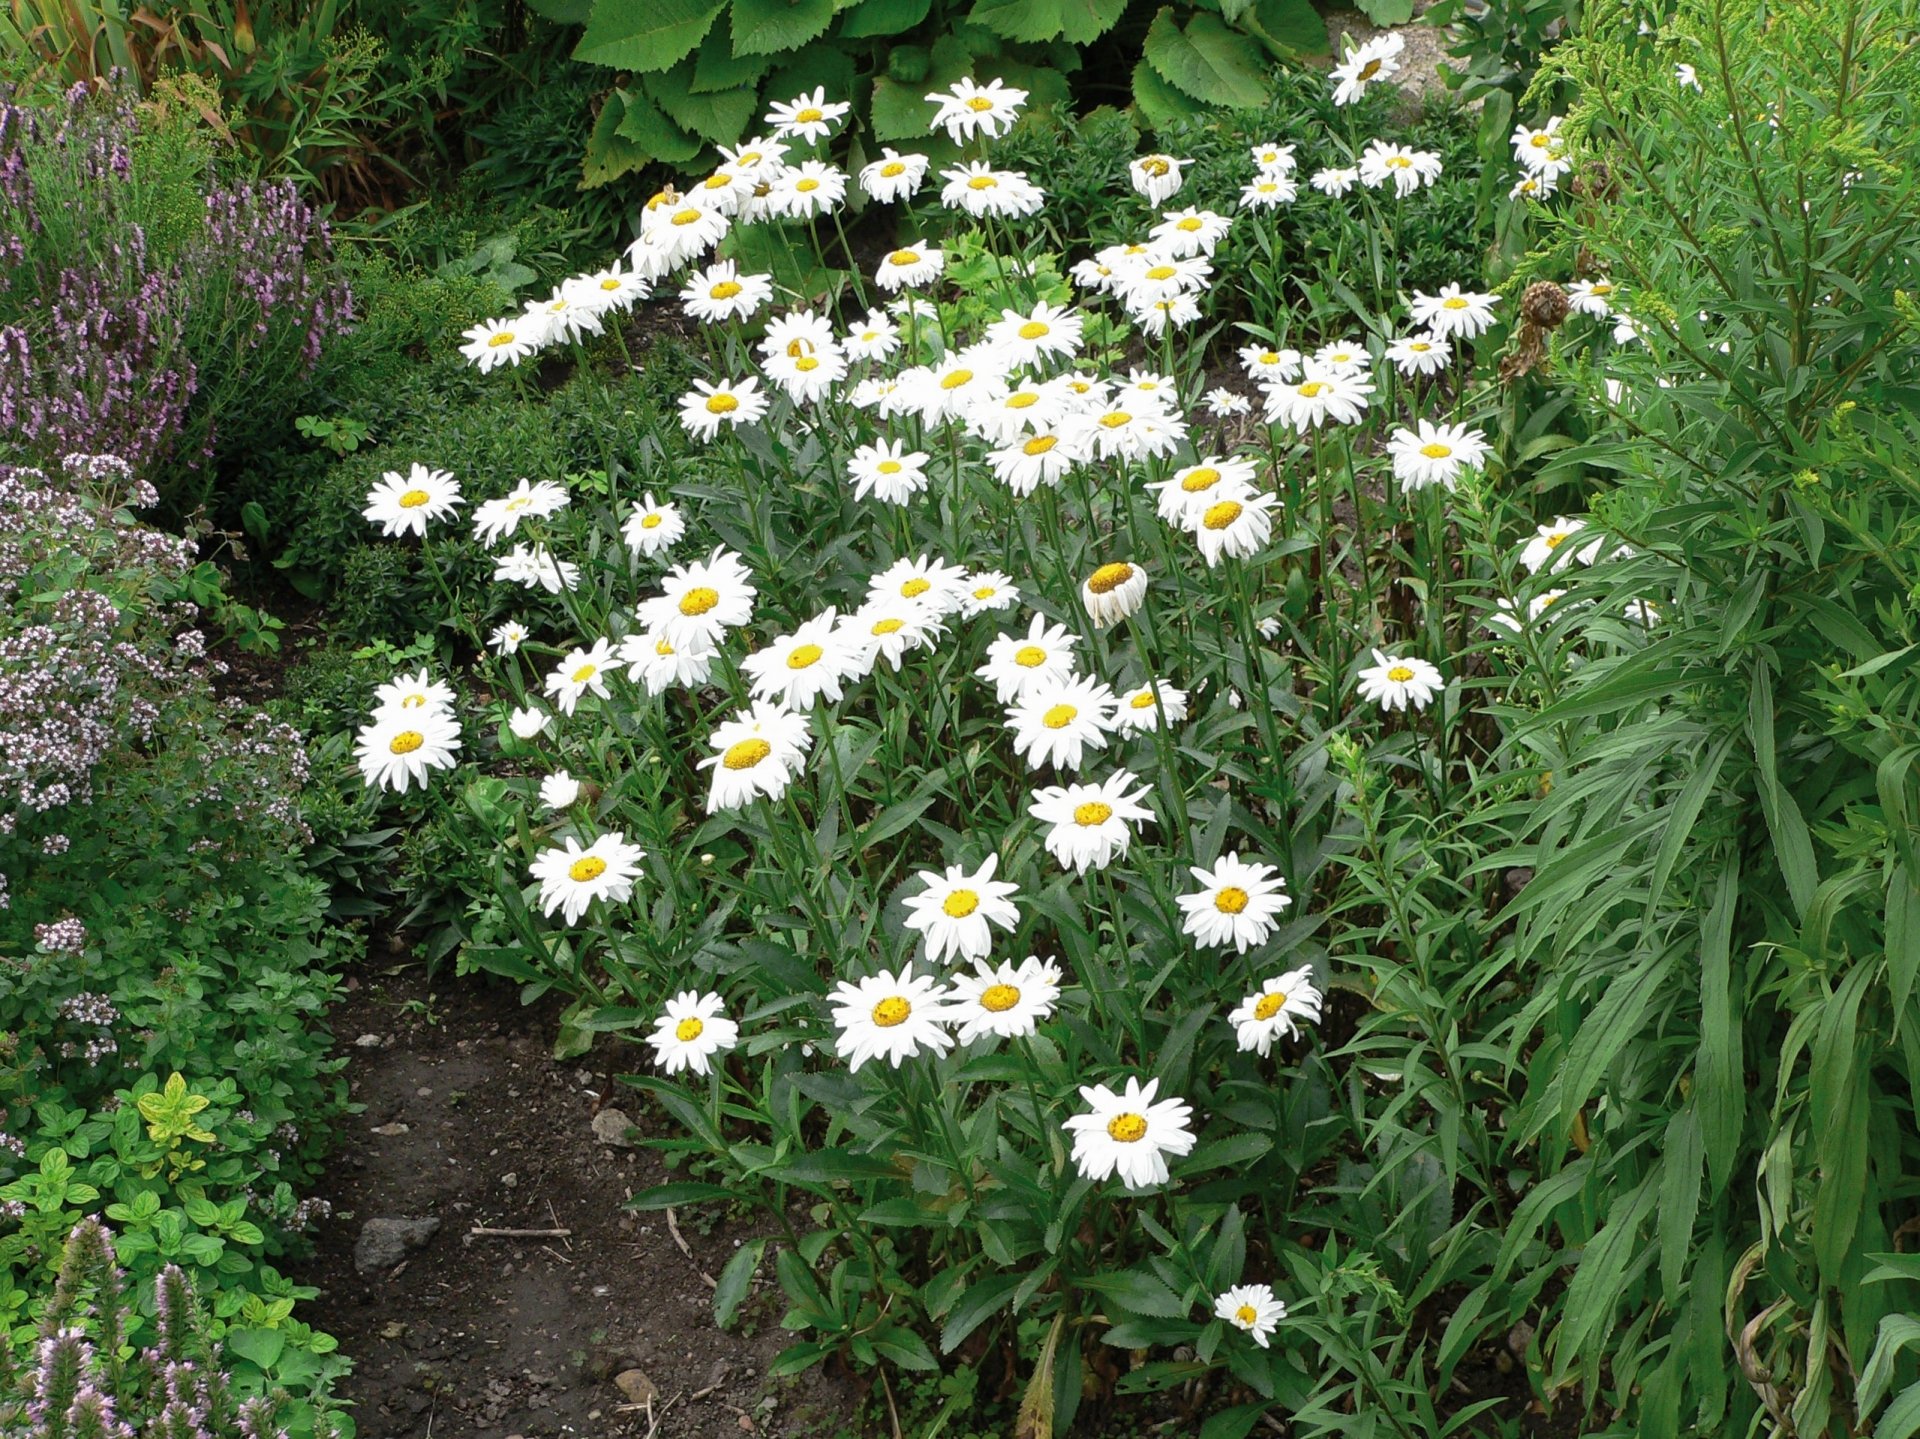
point(1112, 592)
point(988, 590)
point(1276, 1010)
point(1234, 526)
point(887, 471)
point(492, 343)
point(701, 601)
point(1058, 723)
point(686, 231)
point(1156, 317)
point(1431, 454)
point(654, 662)
point(1408, 169)
point(809, 118)
point(804, 667)
point(757, 752)
point(722, 292)
point(1454, 312)
point(1143, 707)
point(808, 189)
point(1004, 419)
point(1265, 365)
point(1238, 903)
point(582, 672)
point(507, 637)
point(1273, 158)
point(1007, 1001)
point(956, 911)
point(1223, 403)
point(499, 518)
point(893, 176)
point(1089, 824)
point(913, 264)
point(967, 109)
point(1268, 192)
point(403, 504)
point(566, 318)
point(925, 579)
point(874, 338)
point(890, 1016)
point(1251, 1307)
point(529, 722)
point(1320, 397)
point(1156, 177)
point(1368, 64)
point(1040, 459)
point(1506, 613)
point(889, 628)
point(980, 190)
point(1533, 187)
point(810, 375)
point(1343, 357)
point(1335, 180)
point(1686, 76)
point(1018, 663)
point(559, 790)
point(730, 402)
point(692, 1030)
point(573, 878)
point(1419, 355)
point(395, 750)
point(609, 291)
point(1394, 682)
point(1190, 232)
point(532, 565)
point(1540, 150)
point(1042, 333)
point(1593, 297)
point(408, 693)
point(1129, 1133)
point(652, 528)
point(1546, 548)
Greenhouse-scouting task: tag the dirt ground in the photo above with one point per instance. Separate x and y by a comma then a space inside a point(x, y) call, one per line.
point(605, 1331)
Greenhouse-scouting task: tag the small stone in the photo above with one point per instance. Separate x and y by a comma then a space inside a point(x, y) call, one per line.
point(424, 1092)
point(392, 1131)
point(509, 1179)
point(367, 1041)
point(635, 1385)
point(610, 1126)
point(383, 1243)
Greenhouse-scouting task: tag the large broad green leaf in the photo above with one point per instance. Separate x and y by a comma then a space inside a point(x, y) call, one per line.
point(766, 27)
point(1158, 102)
point(717, 68)
point(608, 156)
point(721, 116)
point(646, 126)
point(562, 12)
point(1077, 21)
point(645, 35)
point(1387, 12)
point(883, 17)
point(1206, 60)
point(1287, 27)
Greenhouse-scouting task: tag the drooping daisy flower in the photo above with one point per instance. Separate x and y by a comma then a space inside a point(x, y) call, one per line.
point(1145, 706)
point(1112, 592)
point(529, 722)
point(980, 190)
point(809, 118)
point(701, 601)
point(566, 318)
point(653, 528)
point(1593, 297)
point(492, 343)
point(1321, 397)
point(967, 109)
point(988, 590)
point(403, 504)
point(805, 666)
point(412, 693)
point(395, 750)
point(1007, 1000)
point(893, 176)
point(582, 672)
point(722, 292)
point(498, 518)
point(1395, 682)
point(1454, 312)
point(1335, 180)
point(1431, 454)
point(1420, 355)
point(1129, 1133)
point(532, 565)
point(913, 264)
point(1234, 526)
point(692, 1030)
point(1238, 903)
point(730, 402)
point(1275, 1010)
point(1041, 333)
point(1408, 169)
point(1252, 1307)
point(1018, 663)
point(957, 911)
point(656, 663)
point(891, 1017)
point(1058, 723)
point(1156, 177)
point(573, 878)
point(757, 752)
point(808, 189)
point(507, 637)
point(1089, 824)
point(1378, 59)
point(559, 790)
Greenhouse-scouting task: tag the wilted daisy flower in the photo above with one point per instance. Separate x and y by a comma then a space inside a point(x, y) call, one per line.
point(1454, 312)
point(502, 342)
point(656, 663)
point(1007, 1000)
point(968, 109)
point(956, 911)
point(1234, 526)
point(1129, 1133)
point(1431, 454)
point(807, 189)
point(532, 565)
point(691, 1032)
point(924, 579)
point(1408, 169)
point(609, 290)
point(653, 528)
point(1238, 903)
point(1223, 403)
point(1420, 355)
point(396, 749)
point(1157, 177)
point(874, 338)
point(1252, 1307)
point(913, 264)
point(887, 471)
point(582, 672)
point(701, 601)
point(1057, 723)
point(1190, 232)
point(1335, 180)
point(810, 117)
point(988, 590)
point(1269, 192)
point(1592, 297)
point(805, 666)
point(529, 722)
point(558, 790)
point(888, 627)
point(893, 176)
point(1041, 333)
point(980, 190)
point(402, 504)
point(1018, 663)
point(507, 637)
point(757, 752)
point(498, 518)
point(1089, 824)
point(1394, 682)
point(721, 292)
point(1321, 397)
point(1546, 546)
point(1113, 591)
point(891, 1017)
point(1265, 365)
point(1378, 59)
point(1275, 1010)
point(410, 693)
point(1142, 708)
point(566, 318)
point(730, 402)
point(573, 878)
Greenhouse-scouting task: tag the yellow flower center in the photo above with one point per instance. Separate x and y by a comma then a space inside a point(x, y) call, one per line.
point(662, 648)
point(1269, 357)
point(721, 404)
point(892, 169)
point(585, 673)
point(406, 742)
point(1029, 657)
point(1368, 71)
point(1190, 223)
point(999, 998)
point(1059, 717)
point(960, 904)
point(1128, 1128)
point(1155, 165)
point(1219, 516)
point(1269, 1005)
point(1247, 1315)
point(982, 182)
point(1600, 287)
point(1143, 700)
point(1398, 162)
point(1039, 444)
point(718, 180)
point(1092, 813)
point(904, 257)
point(1203, 478)
point(956, 379)
point(413, 499)
point(916, 587)
point(1024, 399)
point(1231, 900)
point(746, 754)
point(889, 467)
point(1108, 578)
point(812, 115)
point(1557, 538)
point(1436, 451)
point(1114, 419)
point(1400, 674)
point(688, 1030)
point(686, 217)
point(985, 592)
point(699, 600)
point(807, 186)
point(807, 363)
point(1162, 272)
point(1035, 330)
point(1311, 390)
point(1419, 347)
point(725, 290)
point(499, 338)
point(979, 104)
point(803, 656)
point(891, 1011)
point(652, 522)
point(1454, 302)
point(1540, 140)
point(888, 626)
point(587, 867)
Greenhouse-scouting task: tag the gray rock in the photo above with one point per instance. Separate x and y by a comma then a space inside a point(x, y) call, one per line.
point(610, 1126)
point(635, 1385)
point(383, 1243)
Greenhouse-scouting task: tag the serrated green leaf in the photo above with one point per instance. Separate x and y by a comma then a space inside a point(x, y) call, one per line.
point(883, 17)
point(721, 117)
point(1288, 28)
point(717, 68)
point(767, 27)
point(608, 156)
point(1078, 22)
point(1206, 60)
point(1158, 102)
point(643, 124)
point(645, 35)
